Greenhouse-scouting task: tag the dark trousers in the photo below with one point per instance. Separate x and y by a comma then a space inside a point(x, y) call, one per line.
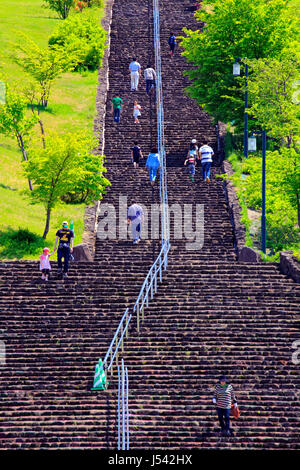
point(63, 252)
point(149, 85)
point(172, 48)
point(117, 114)
point(224, 418)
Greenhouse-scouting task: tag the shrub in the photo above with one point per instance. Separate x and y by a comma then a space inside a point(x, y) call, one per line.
point(82, 36)
point(16, 243)
point(62, 7)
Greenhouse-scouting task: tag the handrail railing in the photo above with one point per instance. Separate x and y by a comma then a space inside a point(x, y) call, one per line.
point(123, 422)
point(119, 342)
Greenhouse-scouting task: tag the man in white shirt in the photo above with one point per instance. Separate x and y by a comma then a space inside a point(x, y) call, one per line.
point(135, 217)
point(150, 76)
point(135, 73)
point(206, 153)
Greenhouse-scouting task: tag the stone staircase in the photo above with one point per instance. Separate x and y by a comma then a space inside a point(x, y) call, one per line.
point(211, 315)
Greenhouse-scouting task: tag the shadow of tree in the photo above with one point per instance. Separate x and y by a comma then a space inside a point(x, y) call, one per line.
point(14, 244)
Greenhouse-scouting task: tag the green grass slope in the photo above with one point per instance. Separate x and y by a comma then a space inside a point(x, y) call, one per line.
point(71, 107)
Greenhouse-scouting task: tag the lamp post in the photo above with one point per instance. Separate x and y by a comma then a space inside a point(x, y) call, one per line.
point(252, 147)
point(237, 72)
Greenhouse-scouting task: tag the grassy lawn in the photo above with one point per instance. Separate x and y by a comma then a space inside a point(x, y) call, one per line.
point(71, 107)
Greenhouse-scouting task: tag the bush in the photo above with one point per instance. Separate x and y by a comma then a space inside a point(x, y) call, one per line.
point(15, 243)
point(83, 36)
point(62, 7)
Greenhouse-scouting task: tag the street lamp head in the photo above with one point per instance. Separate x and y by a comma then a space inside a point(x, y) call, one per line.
point(236, 68)
point(252, 143)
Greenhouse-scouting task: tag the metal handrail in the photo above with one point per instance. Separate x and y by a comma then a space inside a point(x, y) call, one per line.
point(123, 389)
point(150, 282)
point(119, 343)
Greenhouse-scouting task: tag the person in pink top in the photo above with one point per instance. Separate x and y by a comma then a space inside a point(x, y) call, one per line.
point(45, 265)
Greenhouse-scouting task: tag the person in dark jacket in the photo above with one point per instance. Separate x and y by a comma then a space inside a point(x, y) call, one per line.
point(172, 43)
point(223, 398)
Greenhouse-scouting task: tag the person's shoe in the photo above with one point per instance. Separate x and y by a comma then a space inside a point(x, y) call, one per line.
point(227, 433)
point(207, 179)
point(135, 241)
point(65, 275)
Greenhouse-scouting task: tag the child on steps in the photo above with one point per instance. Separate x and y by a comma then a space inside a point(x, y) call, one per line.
point(45, 265)
point(136, 112)
point(191, 161)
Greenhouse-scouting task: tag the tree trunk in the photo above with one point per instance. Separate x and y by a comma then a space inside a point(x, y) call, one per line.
point(298, 209)
point(21, 145)
point(42, 132)
point(47, 223)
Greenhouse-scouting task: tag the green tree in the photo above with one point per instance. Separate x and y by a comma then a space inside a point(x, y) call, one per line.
point(83, 37)
point(282, 194)
point(62, 7)
point(66, 165)
point(44, 65)
point(15, 122)
point(229, 29)
point(271, 91)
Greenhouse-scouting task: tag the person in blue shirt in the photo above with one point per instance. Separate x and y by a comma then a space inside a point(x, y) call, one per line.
point(153, 163)
point(172, 43)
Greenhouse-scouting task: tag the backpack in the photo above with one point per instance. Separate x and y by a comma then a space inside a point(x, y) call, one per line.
point(172, 40)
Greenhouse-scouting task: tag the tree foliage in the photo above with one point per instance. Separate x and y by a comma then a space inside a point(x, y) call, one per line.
point(44, 65)
point(282, 194)
point(271, 91)
point(15, 122)
point(228, 30)
point(65, 166)
point(82, 37)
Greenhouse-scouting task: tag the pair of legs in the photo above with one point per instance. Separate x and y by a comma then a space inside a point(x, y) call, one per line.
point(224, 419)
point(172, 49)
point(152, 175)
point(45, 274)
point(191, 169)
point(206, 171)
point(136, 162)
point(63, 252)
point(136, 118)
point(149, 86)
point(134, 80)
point(136, 230)
point(117, 114)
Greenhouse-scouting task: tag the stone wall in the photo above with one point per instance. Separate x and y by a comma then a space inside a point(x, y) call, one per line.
point(92, 211)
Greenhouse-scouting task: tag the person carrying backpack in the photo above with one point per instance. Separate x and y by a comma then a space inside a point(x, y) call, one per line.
point(172, 43)
point(64, 240)
point(191, 161)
